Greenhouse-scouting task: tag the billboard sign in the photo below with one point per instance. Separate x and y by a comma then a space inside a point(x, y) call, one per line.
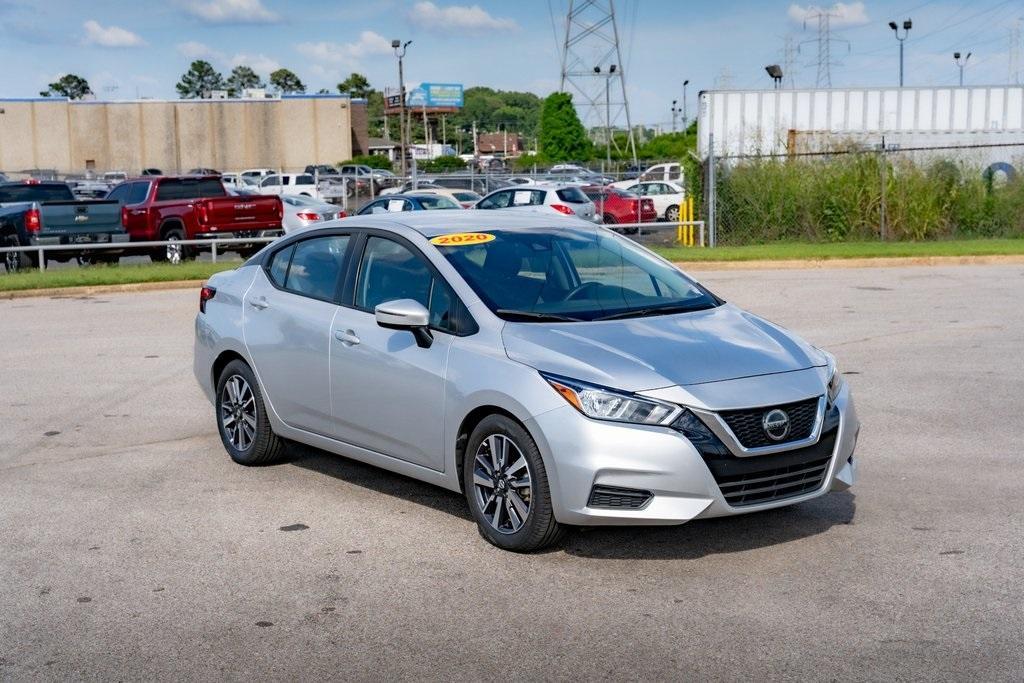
point(435, 95)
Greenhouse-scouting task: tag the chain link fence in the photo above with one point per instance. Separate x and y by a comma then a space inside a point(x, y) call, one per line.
point(866, 193)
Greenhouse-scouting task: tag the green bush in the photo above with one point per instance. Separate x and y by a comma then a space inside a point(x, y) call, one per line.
point(371, 160)
point(442, 165)
point(836, 199)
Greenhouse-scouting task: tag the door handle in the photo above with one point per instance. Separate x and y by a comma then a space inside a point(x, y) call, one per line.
point(259, 303)
point(346, 337)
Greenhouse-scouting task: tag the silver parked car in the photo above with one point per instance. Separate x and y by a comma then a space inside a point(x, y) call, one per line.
point(301, 212)
point(556, 199)
point(553, 371)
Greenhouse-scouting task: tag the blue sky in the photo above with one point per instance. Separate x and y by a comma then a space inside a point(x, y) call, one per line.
point(129, 49)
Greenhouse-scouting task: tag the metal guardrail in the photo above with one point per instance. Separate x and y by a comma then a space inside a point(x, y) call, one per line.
point(642, 229)
point(41, 249)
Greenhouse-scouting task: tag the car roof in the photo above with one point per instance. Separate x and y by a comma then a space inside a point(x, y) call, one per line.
point(434, 223)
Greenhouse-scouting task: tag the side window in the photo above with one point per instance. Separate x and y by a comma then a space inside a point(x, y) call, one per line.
point(120, 193)
point(304, 180)
point(389, 271)
point(498, 200)
point(285, 180)
point(311, 267)
point(138, 193)
point(270, 181)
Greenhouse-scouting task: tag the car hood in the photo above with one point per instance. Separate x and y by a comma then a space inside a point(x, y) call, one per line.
point(639, 354)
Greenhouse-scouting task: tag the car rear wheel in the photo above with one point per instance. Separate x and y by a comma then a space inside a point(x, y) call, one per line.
point(176, 253)
point(14, 261)
point(507, 487)
point(608, 219)
point(242, 418)
point(672, 213)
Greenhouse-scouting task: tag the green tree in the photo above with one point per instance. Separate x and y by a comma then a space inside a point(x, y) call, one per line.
point(243, 78)
point(199, 80)
point(562, 136)
point(286, 82)
point(442, 165)
point(355, 85)
point(68, 85)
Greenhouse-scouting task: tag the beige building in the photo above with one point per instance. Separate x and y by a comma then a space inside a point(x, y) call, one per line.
point(178, 135)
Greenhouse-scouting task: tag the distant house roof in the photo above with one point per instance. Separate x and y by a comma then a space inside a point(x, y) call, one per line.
point(381, 143)
point(498, 142)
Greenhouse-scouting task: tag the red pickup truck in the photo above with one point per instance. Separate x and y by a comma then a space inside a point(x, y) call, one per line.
point(157, 208)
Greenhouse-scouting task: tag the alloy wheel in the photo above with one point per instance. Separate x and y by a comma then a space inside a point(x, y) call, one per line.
point(502, 483)
point(174, 251)
point(238, 412)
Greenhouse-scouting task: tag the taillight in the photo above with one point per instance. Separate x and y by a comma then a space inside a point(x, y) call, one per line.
point(32, 220)
point(562, 208)
point(124, 217)
point(205, 294)
point(32, 181)
point(307, 216)
point(342, 214)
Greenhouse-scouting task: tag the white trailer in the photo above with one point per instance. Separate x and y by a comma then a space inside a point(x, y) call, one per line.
point(783, 122)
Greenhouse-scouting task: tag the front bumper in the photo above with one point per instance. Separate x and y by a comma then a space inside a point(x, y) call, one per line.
point(580, 453)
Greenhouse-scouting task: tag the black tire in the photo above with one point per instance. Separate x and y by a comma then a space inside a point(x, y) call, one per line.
point(14, 261)
point(539, 529)
point(608, 219)
point(672, 214)
point(263, 446)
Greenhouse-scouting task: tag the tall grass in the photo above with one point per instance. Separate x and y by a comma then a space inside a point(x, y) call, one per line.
point(837, 199)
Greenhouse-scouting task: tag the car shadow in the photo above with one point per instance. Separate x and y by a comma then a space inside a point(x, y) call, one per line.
point(697, 539)
point(379, 480)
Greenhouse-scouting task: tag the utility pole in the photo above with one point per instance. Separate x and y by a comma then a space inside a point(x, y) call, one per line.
point(896, 31)
point(591, 29)
point(789, 50)
point(824, 41)
point(399, 49)
point(961, 65)
point(675, 113)
point(476, 153)
point(685, 83)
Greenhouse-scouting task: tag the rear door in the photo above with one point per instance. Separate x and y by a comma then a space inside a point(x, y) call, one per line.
point(287, 319)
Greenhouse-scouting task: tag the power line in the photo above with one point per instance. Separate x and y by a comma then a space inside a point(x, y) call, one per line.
point(824, 42)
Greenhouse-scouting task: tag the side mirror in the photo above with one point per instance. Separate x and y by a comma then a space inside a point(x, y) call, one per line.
point(406, 314)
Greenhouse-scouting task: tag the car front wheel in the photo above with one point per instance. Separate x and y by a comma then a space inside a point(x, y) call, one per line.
point(507, 487)
point(242, 418)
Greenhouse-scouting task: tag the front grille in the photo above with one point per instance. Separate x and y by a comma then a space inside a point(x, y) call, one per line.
point(748, 424)
point(614, 497)
point(765, 478)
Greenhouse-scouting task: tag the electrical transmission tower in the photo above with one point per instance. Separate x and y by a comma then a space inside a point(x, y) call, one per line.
point(592, 67)
point(824, 41)
point(1015, 53)
point(789, 67)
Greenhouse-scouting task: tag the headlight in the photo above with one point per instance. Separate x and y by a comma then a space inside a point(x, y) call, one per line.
point(835, 380)
point(607, 404)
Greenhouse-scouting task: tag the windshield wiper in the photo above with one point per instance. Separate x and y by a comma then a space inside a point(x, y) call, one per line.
point(512, 314)
point(656, 310)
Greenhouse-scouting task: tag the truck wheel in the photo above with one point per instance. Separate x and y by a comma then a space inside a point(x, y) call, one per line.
point(14, 260)
point(242, 418)
point(507, 487)
point(176, 253)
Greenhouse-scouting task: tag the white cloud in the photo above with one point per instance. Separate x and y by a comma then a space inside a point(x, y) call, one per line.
point(458, 18)
point(843, 14)
point(196, 50)
point(369, 43)
point(232, 11)
point(109, 36)
point(260, 63)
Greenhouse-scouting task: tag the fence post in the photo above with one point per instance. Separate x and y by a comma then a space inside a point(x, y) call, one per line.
point(42, 260)
point(712, 191)
point(213, 252)
point(882, 227)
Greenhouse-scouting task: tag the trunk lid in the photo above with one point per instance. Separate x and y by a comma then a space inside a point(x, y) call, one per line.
point(241, 213)
point(82, 217)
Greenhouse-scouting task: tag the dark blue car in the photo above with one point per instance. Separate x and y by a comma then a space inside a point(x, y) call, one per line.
point(408, 202)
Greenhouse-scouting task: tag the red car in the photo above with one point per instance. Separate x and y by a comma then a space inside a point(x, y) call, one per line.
point(618, 206)
point(158, 208)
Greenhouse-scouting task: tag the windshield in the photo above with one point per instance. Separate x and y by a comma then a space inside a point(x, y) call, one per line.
point(573, 275)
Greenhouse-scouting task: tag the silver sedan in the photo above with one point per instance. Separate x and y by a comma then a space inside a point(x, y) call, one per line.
point(553, 371)
point(302, 212)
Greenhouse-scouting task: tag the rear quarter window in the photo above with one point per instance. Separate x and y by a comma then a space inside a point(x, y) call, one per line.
point(572, 195)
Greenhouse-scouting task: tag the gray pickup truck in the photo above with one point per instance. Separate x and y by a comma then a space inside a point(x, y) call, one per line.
point(36, 213)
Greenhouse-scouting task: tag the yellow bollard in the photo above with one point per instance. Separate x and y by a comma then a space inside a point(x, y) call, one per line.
point(681, 216)
point(689, 214)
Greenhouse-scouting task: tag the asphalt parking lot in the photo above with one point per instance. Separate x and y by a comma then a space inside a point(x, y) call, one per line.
point(131, 547)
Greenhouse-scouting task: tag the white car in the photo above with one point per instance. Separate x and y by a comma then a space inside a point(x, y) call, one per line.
point(234, 181)
point(561, 200)
point(672, 173)
point(257, 172)
point(302, 184)
point(302, 212)
point(666, 196)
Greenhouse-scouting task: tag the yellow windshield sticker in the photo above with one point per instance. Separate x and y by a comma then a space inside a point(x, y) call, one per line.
point(461, 239)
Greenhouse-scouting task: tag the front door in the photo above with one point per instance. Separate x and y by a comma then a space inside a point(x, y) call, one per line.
point(388, 393)
point(288, 312)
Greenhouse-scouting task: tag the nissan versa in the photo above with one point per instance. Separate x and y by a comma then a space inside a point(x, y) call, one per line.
point(553, 371)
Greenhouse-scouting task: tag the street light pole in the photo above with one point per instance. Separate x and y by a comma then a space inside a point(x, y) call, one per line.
point(685, 83)
point(896, 31)
point(956, 58)
point(675, 113)
point(399, 49)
